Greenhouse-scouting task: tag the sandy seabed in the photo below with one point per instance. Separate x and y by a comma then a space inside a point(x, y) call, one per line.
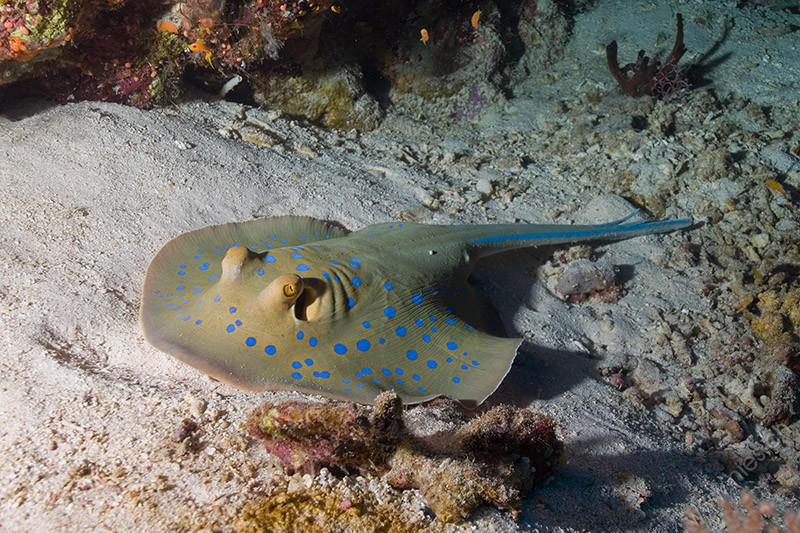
point(91, 191)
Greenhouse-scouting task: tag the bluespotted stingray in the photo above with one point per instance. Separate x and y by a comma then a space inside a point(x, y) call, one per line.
point(296, 303)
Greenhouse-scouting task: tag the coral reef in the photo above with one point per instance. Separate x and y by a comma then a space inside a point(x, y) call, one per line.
point(328, 62)
point(496, 457)
point(642, 77)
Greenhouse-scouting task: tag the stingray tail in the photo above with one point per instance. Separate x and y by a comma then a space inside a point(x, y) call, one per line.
point(495, 238)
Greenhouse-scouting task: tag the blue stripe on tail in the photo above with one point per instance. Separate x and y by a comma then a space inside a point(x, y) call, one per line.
point(610, 230)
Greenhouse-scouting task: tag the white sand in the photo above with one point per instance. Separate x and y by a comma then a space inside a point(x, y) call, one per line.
point(91, 191)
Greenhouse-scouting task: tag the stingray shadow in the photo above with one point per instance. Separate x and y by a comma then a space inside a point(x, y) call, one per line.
point(541, 374)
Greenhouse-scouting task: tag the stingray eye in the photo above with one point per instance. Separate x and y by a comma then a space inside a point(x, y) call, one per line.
point(290, 289)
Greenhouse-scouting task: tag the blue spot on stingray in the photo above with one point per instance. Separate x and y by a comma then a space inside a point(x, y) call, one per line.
point(358, 375)
point(451, 310)
point(217, 298)
point(433, 330)
point(355, 259)
point(303, 268)
point(360, 384)
point(260, 271)
point(399, 371)
point(230, 328)
point(416, 298)
point(341, 349)
point(337, 279)
point(335, 262)
point(180, 288)
point(347, 389)
point(187, 317)
point(270, 259)
point(366, 370)
point(388, 286)
point(382, 340)
point(270, 350)
point(451, 345)
point(401, 331)
point(363, 345)
point(296, 255)
point(415, 377)
point(324, 374)
point(299, 335)
point(376, 381)
point(199, 322)
point(232, 310)
point(450, 321)
point(297, 364)
point(433, 318)
point(297, 375)
point(312, 341)
point(168, 306)
point(212, 278)
point(251, 341)
point(302, 237)
point(475, 363)
point(309, 362)
point(412, 355)
point(356, 281)
point(198, 291)
point(426, 338)
point(421, 389)
point(390, 312)
point(386, 372)
point(238, 322)
point(464, 367)
point(181, 266)
point(355, 265)
point(366, 325)
point(181, 273)
point(200, 250)
point(326, 276)
point(345, 381)
point(350, 303)
point(432, 364)
point(449, 359)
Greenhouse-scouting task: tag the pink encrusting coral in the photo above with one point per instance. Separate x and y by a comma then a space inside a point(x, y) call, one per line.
point(495, 458)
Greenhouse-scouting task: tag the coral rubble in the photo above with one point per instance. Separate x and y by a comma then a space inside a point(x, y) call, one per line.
point(494, 458)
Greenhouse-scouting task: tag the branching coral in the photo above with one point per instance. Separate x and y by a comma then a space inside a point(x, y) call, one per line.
point(494, 458)
point(642, 77)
